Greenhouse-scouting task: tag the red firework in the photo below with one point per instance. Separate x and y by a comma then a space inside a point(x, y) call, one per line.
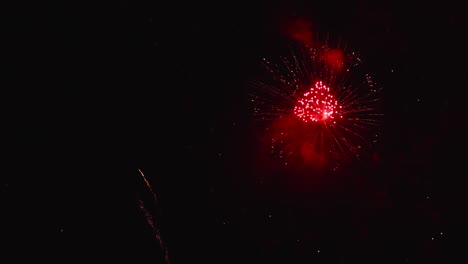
point(319, 104)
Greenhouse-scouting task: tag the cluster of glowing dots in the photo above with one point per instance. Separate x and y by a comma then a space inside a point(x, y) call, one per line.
point(317, 105)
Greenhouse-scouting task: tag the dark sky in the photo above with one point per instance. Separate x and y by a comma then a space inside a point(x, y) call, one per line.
point(92, 92)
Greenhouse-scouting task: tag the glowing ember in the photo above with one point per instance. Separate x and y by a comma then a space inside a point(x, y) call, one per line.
point(317, 104)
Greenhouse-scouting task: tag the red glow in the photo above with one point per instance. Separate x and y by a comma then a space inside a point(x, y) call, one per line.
point(311, 156)
point(301, 30)
point(317, 105)
point(375, 157)
point(282, 140)
point(335, 58)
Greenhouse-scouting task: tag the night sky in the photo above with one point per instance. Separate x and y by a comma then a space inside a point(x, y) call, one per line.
point(94, 92)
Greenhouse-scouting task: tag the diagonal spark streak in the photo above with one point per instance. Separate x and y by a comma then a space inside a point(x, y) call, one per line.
point(150, 219)
point(149, 186)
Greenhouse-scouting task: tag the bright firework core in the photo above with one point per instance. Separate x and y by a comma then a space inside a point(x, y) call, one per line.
point(317, 104)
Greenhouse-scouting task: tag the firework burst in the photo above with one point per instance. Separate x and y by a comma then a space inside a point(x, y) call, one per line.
point(319, 104)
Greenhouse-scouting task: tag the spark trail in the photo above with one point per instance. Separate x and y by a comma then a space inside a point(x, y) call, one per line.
point(150, 219)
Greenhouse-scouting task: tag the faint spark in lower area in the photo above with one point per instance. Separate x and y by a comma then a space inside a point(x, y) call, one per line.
point(150, 219)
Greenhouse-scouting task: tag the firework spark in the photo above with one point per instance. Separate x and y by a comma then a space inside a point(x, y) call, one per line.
point(155, 198)
point(319, 104)
point(150, 219)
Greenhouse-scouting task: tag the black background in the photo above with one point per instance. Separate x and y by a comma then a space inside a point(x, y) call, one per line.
point(94, 91)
